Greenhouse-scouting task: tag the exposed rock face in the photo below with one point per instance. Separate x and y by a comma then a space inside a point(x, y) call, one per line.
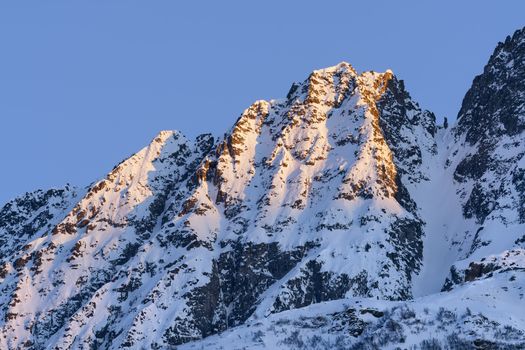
point(488, 160)
point(24, 217)
point(491, 122)
point(313, 198)
point(493, 107)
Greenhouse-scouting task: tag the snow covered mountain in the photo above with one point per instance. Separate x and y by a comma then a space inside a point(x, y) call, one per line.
point(341, 216)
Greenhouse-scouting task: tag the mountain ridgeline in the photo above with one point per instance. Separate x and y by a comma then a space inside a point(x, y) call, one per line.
point(339, 217)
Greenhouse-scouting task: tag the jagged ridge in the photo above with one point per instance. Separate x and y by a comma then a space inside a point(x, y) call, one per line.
point(317, 197)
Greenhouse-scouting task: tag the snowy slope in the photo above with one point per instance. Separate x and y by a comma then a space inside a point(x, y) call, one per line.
point(342, 211)
point(462, 319)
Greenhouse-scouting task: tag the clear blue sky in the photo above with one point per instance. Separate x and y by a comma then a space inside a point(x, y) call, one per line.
point(83, 84)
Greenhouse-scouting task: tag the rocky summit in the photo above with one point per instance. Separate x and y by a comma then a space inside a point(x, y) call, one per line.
point(339, 217)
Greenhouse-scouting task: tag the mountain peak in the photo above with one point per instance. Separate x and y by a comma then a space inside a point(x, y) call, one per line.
point(328, 87)
point(341, 195)
point(344, 66)
point(341, 66)
point(517, 37)
point(164, 135)
point(494, 105)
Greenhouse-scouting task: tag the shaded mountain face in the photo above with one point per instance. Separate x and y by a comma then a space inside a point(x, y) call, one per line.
point(490, 125)
point(488, 164)
point(344, 190)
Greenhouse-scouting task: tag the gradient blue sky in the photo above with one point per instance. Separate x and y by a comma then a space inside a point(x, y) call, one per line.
point(84, 84)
